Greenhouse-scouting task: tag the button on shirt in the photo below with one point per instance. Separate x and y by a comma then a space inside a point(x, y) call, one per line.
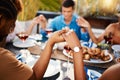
point(58, 23)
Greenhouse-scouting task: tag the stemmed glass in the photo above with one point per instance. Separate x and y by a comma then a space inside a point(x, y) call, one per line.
point(108, 41)
point(108, 38)
point(67, 48)
point(49, 31)
point(22, 36)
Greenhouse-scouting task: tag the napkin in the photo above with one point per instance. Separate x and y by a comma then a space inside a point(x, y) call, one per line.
point(24, 56)
point(88, 44)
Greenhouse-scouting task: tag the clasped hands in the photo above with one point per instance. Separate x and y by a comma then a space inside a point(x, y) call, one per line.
point(67, 35)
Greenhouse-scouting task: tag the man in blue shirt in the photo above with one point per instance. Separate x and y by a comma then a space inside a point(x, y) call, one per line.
point(68, 19)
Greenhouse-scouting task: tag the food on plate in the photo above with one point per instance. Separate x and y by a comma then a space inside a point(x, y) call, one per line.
point(103, 46)
point(96, 53)
point(91, 53)
point(118, 60)
point(86, 57)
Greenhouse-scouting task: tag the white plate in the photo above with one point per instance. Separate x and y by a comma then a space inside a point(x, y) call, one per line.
point(52, 69)
point(116, 47)
point(27, 43)
point(93, 74)
point(91, 60)
point(66, 54)
point(35, 36)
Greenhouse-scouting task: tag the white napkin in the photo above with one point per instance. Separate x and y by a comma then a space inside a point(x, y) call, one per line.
point(24, 56)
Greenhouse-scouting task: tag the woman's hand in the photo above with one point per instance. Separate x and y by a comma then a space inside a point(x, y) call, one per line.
point(57, 37)
point(71, 39)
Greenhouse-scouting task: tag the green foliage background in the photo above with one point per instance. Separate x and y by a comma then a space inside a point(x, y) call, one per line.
point(32, 6)
point(84, 7)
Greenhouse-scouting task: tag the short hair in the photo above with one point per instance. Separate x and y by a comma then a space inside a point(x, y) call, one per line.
point(68, 3)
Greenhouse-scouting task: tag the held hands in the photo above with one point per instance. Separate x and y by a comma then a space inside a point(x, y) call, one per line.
point(71, 39)
point(40, 20)
point(65, 35)
point(57, 37)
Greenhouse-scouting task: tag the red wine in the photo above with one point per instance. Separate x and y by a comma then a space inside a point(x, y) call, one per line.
point(108, 38)
point(67, 48)
point(23, 37)
point(49, 30)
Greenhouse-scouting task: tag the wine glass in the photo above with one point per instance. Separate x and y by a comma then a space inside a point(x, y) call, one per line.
point(49, 31)
point(67, 48)
point(108, 38)
point(22, 36)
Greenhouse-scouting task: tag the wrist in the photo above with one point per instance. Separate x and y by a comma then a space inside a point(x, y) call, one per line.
point(51, 42)
point(77, 49)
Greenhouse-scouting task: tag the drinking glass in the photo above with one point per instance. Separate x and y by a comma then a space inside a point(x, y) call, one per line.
point(22, 36)
point(108, 38)
point(49, 31)
point(67, 48)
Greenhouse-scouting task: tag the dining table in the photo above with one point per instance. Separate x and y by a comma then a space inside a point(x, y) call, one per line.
point(57, 66)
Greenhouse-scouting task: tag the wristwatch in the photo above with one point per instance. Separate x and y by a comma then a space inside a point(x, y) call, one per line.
point(76, 49)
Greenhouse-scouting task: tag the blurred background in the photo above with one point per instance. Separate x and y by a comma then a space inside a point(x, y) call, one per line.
point(83, 7)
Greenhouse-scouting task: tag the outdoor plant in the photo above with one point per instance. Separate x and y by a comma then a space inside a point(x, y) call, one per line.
point(32, 6)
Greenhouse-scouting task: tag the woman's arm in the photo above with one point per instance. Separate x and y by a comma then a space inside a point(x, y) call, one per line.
point(42, 63)
point(37, 20)
point(73, 41)
point(85, 23)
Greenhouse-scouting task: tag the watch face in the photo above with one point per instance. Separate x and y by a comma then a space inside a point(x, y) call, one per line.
point(76, 49)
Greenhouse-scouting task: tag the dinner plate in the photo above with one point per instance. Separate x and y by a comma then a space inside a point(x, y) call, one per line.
point(35, 36)
point(91, 60)
point(116, 47)
point(52, 69)
point(93, 75)
point(27, 43)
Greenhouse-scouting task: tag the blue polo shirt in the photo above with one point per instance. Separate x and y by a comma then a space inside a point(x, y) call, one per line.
point(58, 23)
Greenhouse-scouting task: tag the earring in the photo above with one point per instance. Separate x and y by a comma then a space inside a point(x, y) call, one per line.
point(11, 30)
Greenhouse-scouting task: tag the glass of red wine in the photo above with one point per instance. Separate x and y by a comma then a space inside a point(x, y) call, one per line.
point(108, 38)
point(22, 36)
point(49, 31)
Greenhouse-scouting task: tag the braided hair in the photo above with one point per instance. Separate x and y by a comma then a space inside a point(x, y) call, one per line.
point(8, 16)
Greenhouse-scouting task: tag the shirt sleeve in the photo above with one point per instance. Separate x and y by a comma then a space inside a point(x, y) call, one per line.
point(11, 68)
point(42, 31)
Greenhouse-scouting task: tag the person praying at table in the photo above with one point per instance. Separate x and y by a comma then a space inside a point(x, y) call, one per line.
point(10, 67)
point(67, 19)
point(110, 34)
point(19, 27)
point(111, 73)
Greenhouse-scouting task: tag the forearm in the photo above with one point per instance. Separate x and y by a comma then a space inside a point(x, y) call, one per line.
point(92, 36)
point(43, 25)
point(41, 65)
point(79, 72)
